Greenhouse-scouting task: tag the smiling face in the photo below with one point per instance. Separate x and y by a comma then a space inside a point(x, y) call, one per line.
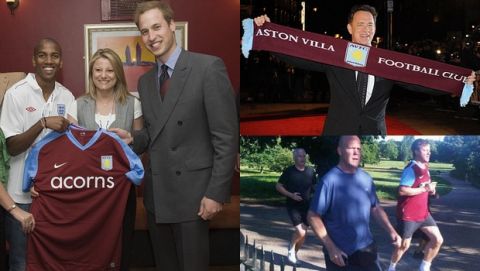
point(423, 154)
point(362, 27)
point(350, 152)
point(158, 35)
point(47, 61)
point(103, 75)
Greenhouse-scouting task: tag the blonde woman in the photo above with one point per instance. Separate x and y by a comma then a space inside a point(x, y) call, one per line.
point(108, 104)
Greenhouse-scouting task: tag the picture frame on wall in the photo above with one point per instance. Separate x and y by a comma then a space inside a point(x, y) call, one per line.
point(125, 40)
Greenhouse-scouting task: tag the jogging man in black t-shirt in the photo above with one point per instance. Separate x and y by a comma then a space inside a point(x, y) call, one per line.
point(296, 183)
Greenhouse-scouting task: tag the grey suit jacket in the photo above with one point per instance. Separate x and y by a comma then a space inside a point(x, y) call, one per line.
point(191, 136)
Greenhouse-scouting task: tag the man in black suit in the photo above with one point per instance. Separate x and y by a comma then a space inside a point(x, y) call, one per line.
point(191, 134)
point(353, 109)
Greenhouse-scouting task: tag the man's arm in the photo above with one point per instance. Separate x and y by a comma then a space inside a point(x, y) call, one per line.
point(382, 219)
point(21, 142)
point(412, 191)
point(281, 189)
point(219, 105)
point(335, 254)
point(26, 219)
point(139, 140)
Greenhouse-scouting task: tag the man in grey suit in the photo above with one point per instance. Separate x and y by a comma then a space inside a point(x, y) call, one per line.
point(191, 134)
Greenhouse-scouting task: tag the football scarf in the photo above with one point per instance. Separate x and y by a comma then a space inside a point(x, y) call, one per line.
point(341, 53)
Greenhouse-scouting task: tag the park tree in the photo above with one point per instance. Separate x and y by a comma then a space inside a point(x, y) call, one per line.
point(446, 152)
point(370, 150)
point(433, 151)
point(281, 158)
point(467, 158)
point(266, 153)
point(255, 151)
point(389, 149)
point(404, 152)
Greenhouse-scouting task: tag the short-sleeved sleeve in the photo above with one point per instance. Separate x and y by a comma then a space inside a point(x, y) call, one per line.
point(12, 117)
point(137, 109)
point(408, 177)
point(322, 198)
point(283, 178)
point(72, 110)
point(4, 157)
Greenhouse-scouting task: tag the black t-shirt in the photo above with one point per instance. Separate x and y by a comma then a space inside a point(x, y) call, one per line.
point(294, 180)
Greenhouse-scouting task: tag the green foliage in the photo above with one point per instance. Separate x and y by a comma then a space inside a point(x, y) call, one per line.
point(370, 152)
point(267, 153)
point(389, 150)
point(445, 153)
point(404, 152)
point(281, 158)
point(466, 157)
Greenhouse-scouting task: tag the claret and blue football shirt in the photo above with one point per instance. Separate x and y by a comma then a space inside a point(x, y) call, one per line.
point(83, 178)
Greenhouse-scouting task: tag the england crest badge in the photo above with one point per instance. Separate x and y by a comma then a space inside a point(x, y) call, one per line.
point(61, 110)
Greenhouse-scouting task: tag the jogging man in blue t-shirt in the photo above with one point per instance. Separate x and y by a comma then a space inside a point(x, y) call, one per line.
point(340, 213)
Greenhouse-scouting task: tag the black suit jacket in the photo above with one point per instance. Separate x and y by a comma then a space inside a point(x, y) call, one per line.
point(191, 137)
point(345, 113)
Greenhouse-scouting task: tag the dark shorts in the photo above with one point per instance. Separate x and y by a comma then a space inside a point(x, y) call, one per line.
point(365, 259)
point(407, 228)
point(298, 214)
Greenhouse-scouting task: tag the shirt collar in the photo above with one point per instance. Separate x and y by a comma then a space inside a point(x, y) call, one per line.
point(32, 81)
point(171, 62)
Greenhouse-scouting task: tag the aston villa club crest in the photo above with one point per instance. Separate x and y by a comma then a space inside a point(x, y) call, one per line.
point(107, 162)
point(61, 109)
point(356, 55)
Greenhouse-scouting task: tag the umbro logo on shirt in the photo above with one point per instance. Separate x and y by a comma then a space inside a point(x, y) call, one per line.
point(59, 165)
point(30, 109)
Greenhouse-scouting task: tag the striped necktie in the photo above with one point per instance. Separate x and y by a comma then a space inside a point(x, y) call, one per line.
point(362, 83)
point(163, 81)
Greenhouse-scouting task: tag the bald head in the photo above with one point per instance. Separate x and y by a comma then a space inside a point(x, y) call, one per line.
point(344, 140)
point(350, 151)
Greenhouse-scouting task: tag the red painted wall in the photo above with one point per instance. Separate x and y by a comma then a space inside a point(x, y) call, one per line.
point(213, 29)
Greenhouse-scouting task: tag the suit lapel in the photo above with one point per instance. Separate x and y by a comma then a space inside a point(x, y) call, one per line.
point(153, 94)
point(175, 89)
point(349, 83)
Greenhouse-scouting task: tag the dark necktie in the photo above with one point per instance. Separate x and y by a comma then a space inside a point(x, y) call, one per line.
point(163, 81)
point(362, 83)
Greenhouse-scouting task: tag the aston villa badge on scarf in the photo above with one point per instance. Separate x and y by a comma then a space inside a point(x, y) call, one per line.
point(107, 162)
point(356, 55)
point(61, 109)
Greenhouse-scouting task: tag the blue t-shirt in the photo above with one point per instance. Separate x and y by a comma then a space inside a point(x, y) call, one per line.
point(344, 203)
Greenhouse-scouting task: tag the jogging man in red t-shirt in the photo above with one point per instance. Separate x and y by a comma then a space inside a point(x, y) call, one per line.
point(412, 207)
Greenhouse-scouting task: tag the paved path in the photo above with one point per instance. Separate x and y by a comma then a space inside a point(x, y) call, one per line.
point(457, 215)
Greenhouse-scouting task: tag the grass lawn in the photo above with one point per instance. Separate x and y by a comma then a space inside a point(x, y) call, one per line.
point(260, 187)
